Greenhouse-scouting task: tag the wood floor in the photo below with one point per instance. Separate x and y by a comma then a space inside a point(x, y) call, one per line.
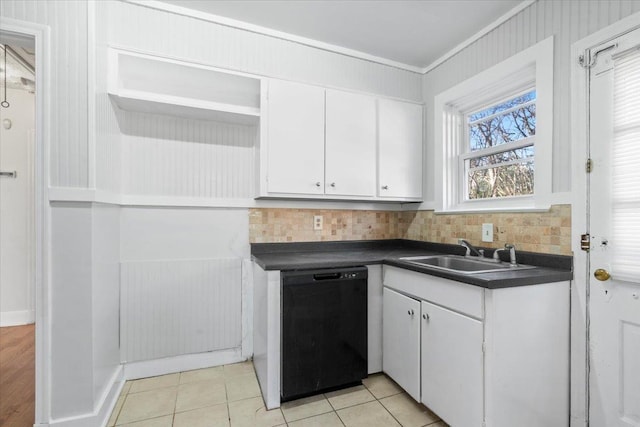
point(17, 376)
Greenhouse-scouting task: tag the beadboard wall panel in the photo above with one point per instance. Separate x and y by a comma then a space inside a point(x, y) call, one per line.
point(68, 89)
point(108, 141)
point(171, 156)
point(170, 308)
point(191, 39)
point(568, 22)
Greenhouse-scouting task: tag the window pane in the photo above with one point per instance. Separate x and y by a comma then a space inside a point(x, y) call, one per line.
point(501, 181)
point(505, 156)
point(500, 128)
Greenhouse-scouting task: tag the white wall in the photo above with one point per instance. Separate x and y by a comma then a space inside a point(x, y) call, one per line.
point(568, 21)
point(17, 210)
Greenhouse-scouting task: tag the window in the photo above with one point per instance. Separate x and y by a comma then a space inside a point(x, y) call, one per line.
point(499, 156)
point(493, 136)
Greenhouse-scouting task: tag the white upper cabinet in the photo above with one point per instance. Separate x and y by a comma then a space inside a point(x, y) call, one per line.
point(350, 144)
point(319, 143)
point(400, 149)
point(295, 133)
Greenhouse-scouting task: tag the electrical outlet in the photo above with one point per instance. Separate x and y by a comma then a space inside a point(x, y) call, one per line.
point(317, 222)
point(487, 232)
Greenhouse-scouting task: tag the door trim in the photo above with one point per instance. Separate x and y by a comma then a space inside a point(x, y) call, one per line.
point(580, 284)
point(41, 35)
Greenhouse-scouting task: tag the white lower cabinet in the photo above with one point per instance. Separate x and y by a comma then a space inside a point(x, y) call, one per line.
point(401, 340)
point(452, 365)
point(483, 357)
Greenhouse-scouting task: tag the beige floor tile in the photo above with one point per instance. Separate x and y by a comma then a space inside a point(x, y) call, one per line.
point(200, 394)
point(381, 386)
point(116, 411)
point(325, 420)
point(125, 388)
point(349, 397)
point(154, 383)
point(154, 422)
point(407, 411)
point(206, 374)
point(439, 424)
point(236, 369)
point(148, 404)
point(211, 416)
point(242, 387)
point(305, 408)
point(252, 413)
point(370, 414)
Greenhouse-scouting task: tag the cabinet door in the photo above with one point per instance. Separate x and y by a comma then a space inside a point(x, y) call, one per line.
point(400, 149)
point(295, 133)
point(401, 340)
point(350, 144)
point(452, 366)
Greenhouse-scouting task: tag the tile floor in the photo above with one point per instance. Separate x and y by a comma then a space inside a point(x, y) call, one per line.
point(229, 396)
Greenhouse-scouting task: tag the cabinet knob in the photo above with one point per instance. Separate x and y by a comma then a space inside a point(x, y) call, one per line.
point(410, 312)
point(318, 184)
point(385, 187)
point(333, 184)
point(425, 316)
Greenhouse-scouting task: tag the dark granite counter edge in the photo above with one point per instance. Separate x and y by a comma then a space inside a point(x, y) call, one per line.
point(282, 256)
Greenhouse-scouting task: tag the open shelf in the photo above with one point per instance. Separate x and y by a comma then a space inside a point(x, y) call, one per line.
point(150, 84)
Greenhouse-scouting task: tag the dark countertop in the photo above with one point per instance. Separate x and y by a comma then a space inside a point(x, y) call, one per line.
point(314, 255)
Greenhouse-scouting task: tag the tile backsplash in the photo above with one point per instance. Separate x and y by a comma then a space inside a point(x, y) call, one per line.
point(546, 232)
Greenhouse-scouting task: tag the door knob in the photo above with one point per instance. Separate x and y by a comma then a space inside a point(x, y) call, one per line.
point(601, 274)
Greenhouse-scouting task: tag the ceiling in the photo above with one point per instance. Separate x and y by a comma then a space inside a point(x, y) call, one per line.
point(414, 33)
point(20, 66)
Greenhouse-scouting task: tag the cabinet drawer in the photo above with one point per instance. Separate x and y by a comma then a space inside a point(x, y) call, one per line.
point(460, 297)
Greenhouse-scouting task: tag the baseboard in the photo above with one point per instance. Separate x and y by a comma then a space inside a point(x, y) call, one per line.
point(102, 410)
point(17, 318)
point(170, 365)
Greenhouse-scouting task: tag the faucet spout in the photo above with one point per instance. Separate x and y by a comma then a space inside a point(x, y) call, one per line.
point(471, 250)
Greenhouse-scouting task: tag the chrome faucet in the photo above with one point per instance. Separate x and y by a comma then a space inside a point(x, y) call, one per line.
point(512, 254)
point(469, 247)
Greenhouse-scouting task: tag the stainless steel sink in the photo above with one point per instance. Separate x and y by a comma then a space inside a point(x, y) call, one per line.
point(463, 265)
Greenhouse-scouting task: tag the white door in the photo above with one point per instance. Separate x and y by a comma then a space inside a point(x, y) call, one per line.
point(614, 221)
point(400, 149)
point(401, 340)
point(295, 133)
point(452, 366)
point(350, 144)
point(17, 209)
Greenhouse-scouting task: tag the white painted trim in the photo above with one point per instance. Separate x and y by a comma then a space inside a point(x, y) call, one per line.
point(233, 23)
point(539, 58)
point(102, 410)
point(495, 24)
point(187, 362)
point(16, 318)
point(42, 37)
point(90, 195)
point(247, 308)
point(580, 286)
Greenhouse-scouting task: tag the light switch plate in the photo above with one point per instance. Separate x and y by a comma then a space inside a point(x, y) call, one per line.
point(487, 232)
point(317, 222)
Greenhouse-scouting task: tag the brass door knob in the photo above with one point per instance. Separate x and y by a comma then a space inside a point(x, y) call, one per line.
point(601, 274)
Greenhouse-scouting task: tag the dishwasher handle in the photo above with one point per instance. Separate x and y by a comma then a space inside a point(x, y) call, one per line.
point(327, 276)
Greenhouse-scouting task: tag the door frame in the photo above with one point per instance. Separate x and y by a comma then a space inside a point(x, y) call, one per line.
point(580, 307)
point(42, 37)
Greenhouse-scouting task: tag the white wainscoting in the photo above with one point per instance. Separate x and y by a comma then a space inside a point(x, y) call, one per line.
point(177, 307)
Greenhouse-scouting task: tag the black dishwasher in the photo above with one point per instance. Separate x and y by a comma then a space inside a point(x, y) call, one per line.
point(323, 330)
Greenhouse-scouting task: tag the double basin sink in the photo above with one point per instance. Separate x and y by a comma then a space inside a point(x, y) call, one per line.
point(463, 265)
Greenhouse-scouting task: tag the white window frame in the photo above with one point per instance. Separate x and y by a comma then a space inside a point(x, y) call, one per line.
point(530, 68)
